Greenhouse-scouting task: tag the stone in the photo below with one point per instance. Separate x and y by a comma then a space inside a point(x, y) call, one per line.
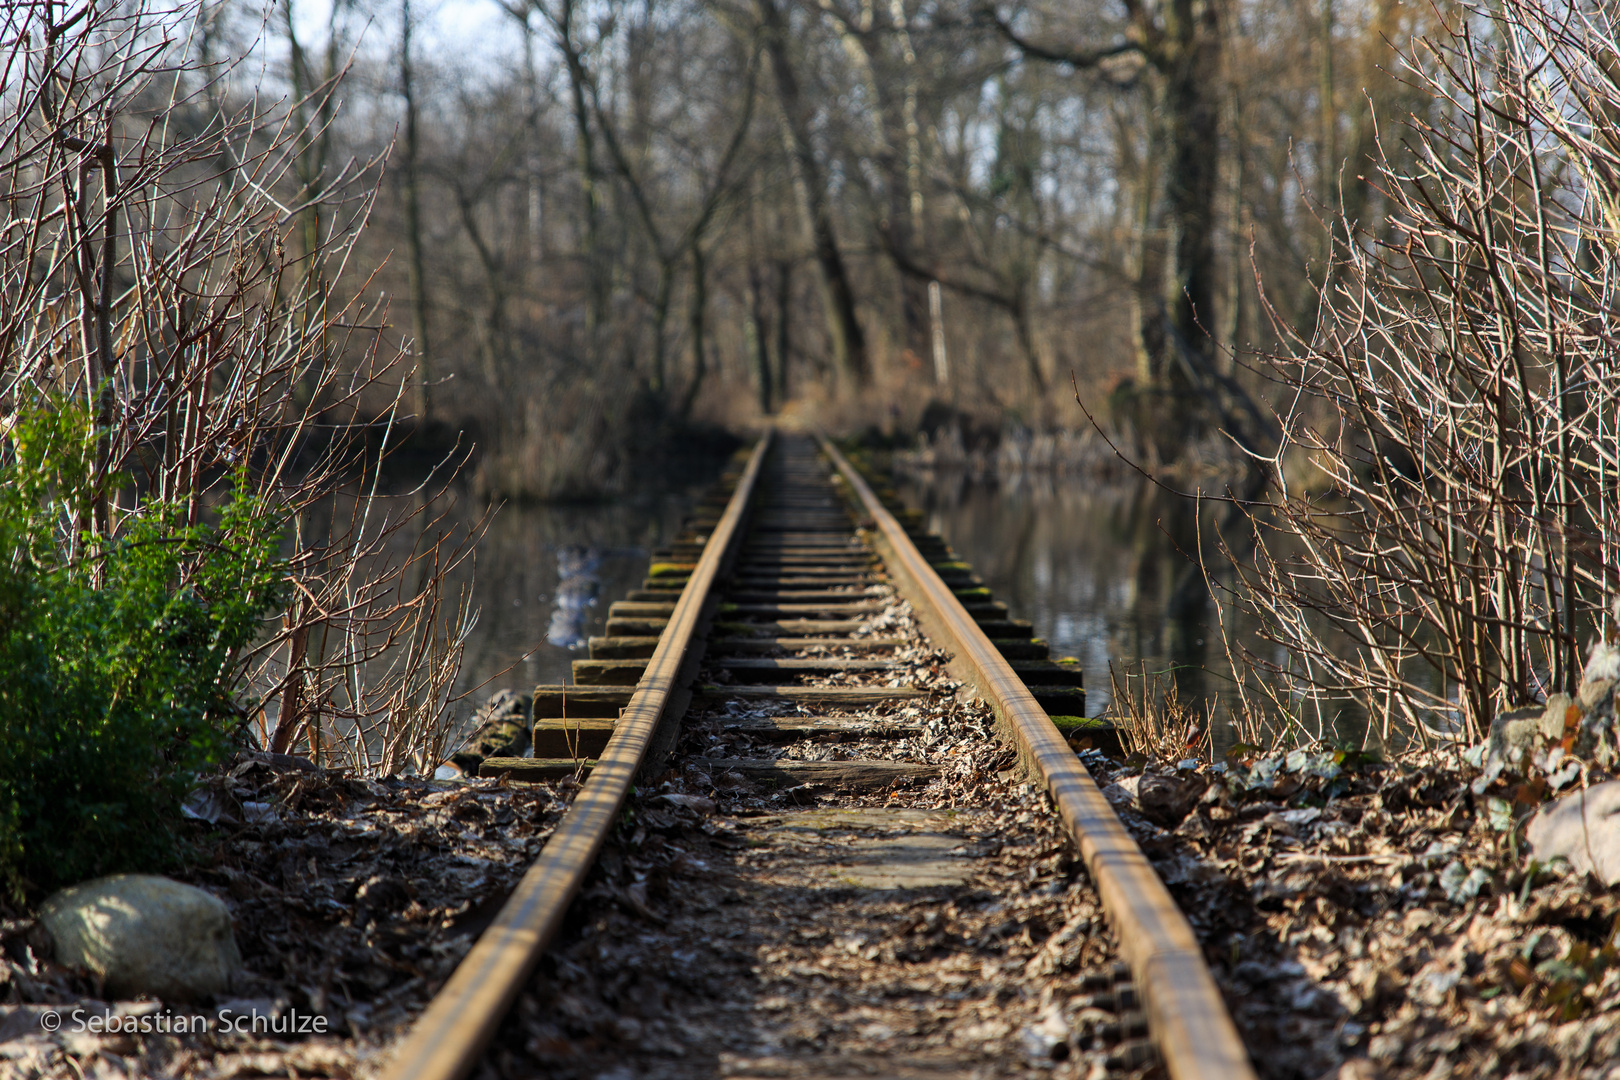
point(1354, 1069)
point(502, 731)
point(144, 934)
point(1600, 674)
point(1166, 800)
point(1553, 717)
point(1582, 827)
point(1513, 736)
point(1123, 791)
point(286, 762)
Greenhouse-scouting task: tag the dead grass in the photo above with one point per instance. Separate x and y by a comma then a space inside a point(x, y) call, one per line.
point(1154, 722)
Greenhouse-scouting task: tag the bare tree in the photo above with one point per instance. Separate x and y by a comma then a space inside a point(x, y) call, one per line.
point(1459, 395)
point(847, 339)
point(410, 158)
point(1180, 44)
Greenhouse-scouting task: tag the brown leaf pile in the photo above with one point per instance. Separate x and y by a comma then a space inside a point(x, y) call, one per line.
point(1370, 919)
point(351, 899)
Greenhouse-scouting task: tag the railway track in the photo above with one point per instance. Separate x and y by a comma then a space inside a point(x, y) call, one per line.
point(864, 832)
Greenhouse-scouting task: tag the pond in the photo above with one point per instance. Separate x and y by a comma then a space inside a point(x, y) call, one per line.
point(545, 577)
point(1099, 570)
point(538, 584)
point(1103, 571)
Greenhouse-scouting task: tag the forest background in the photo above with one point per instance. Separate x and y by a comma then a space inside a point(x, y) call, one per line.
point(596, 218)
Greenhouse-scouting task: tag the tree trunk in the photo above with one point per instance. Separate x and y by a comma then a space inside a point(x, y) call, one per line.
point(534, 162)
point(596, 302)
point(759, 337)
point(902, 196)
point(913, 291)
point(659, 381)
point(1193, 111)
point(784, 334)
point(1176, 290)
point(495, 281)
point(695, 317)
point(422, 376)
point(838, 296)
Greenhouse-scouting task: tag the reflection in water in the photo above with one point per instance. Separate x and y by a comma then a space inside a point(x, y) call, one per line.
point(542, 572)
point(577, 589)
point(535, 579)
point(1103, 572)
point(1109, 574)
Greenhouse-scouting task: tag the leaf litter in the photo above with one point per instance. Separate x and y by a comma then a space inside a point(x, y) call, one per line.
point(742, 940)
point(351, 900)
point(1377, 919)
point(1365, 919)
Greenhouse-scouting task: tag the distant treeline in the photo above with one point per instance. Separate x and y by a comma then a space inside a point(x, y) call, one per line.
point(620, 212)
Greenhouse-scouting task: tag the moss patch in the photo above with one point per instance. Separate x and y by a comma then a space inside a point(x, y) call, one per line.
point(1080, 725)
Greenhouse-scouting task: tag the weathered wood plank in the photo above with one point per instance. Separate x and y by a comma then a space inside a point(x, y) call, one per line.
point(790, 728)
point(1048, 672)
point(770, 628)
point(586, 737)
point(799, 596)
point(798, 664)
point(1006, 628)
point(777, 610)
point(623, 647)
point(635, 627)
point(555, 702)
point(595, 672)
point(772, 582)
point(1022, 649)
point(1065, 700)
point(863, 775)
point(843, 697)
point(721, 646)
point(534, 770)
point(637, 609)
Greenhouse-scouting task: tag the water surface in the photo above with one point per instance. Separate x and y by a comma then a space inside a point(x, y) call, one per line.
point(1107, 573)
point(545, 577)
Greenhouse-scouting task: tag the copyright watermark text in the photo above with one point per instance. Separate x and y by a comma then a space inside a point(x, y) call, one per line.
point(226, 1020)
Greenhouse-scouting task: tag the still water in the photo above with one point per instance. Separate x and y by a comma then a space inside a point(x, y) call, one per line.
point(1097, 569)
point(1107, 573)
point(545, 577)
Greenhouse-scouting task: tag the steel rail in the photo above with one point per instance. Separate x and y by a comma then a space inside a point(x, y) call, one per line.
point(447, 1039)
point(1186, 1016)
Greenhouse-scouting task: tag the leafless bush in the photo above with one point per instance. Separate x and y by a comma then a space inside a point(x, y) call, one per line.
point(1153, 720)
point(1458, 395)
point(165, 261)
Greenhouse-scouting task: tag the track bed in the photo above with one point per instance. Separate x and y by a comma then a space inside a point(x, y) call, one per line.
point(828, 828)
point(852, 881)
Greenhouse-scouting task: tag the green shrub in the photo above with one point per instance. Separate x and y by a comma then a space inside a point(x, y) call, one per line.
point(112, 658)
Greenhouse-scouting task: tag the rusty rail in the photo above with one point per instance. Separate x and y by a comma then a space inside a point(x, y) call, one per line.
point(446, 1040)
point(1186, 1016)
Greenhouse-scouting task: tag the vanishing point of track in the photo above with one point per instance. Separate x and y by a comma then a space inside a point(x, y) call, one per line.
point(784, 552)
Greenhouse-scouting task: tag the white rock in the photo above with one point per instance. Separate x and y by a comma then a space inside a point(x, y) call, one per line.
point(1583, 827)
point(695, 803)
point(1124, 792)
point(1513, 734)
point(1603, 666)
point(145, 935)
